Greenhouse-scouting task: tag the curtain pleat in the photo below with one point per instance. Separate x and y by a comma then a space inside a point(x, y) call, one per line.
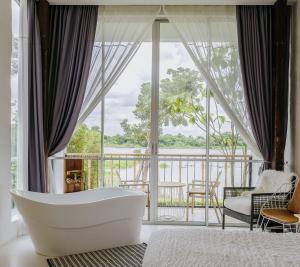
point(256, 49)
point(71, 39)
point(36, 153)
point(257, 45)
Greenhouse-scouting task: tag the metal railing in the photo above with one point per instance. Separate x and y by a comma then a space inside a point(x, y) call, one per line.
point(176, 173)
point(119, 168)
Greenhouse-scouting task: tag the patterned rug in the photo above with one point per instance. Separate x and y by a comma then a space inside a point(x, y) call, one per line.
point(128, 256)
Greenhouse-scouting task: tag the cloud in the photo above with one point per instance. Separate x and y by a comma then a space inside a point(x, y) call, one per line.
point(167, 55)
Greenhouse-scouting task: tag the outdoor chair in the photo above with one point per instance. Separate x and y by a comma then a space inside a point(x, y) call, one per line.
point(283, 209)
point(244, 203)
point(197, 189)
point(137, 184)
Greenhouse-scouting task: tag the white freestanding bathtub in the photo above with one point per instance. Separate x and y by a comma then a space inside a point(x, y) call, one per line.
point(63, 224)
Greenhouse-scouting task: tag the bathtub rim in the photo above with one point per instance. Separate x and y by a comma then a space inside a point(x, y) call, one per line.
point(32, 211)
point(136, 193)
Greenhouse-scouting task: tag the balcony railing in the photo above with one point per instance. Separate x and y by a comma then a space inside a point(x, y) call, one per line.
point(118, 168)
point(176, 174)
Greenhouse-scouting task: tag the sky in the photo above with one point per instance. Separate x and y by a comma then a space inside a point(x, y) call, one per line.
point(122, 98)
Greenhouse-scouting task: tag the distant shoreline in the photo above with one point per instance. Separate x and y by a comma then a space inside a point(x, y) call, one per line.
point(168, 147)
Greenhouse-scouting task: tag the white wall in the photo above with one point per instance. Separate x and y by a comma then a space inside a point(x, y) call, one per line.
point(6, 227)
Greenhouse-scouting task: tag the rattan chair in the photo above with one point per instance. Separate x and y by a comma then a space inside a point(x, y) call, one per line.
point(256, 201)
point(283, 209)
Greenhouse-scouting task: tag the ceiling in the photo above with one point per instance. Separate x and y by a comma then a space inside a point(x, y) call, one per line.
point(164, 2)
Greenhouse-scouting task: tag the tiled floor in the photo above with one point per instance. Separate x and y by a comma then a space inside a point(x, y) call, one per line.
point(20, 252)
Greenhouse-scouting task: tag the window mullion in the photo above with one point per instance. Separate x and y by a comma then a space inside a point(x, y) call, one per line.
point(154, 121)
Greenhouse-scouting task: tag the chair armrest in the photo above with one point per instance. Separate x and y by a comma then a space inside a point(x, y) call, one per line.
point(130, 185)
point(235, 191)
point(195, 184)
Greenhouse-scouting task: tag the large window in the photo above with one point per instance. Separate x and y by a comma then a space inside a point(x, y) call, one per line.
point(164, 132)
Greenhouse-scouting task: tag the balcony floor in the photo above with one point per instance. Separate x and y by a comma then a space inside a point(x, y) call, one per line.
point(178, 214)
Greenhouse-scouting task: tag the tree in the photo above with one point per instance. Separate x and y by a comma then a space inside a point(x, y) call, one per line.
point(183, 97)
point(14, 71)
point(182, 102)
point(85, 140)
point(14, 129)
point(139, 133)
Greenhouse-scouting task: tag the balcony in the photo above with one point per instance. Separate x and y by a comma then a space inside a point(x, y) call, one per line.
point(179, 177)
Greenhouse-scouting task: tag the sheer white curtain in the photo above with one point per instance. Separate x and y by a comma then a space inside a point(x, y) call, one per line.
point(22, 127)
point(120, 31)
point(22, 138)
point(209, 33)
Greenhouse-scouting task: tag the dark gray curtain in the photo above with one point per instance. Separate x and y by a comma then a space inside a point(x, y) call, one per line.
point(71, 39)
point(255, 49)
point(286, 78)
point(36, 152)
point(281, 64)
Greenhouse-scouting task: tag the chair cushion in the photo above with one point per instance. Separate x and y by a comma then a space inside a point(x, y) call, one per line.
point(279, 215)
point(239, 204)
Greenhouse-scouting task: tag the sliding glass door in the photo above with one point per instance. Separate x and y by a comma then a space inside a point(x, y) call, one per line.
point(179, 154)
point(162, 131)
point(182, 133)
point(195, 148)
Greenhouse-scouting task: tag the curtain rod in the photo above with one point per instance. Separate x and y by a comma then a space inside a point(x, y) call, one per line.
point(164, 2)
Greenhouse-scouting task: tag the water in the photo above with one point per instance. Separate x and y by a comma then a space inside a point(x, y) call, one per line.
point(173, 151)
point(188, 170)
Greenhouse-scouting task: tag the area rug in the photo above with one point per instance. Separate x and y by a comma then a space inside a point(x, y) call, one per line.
point(213, 247)
point(127, 256)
